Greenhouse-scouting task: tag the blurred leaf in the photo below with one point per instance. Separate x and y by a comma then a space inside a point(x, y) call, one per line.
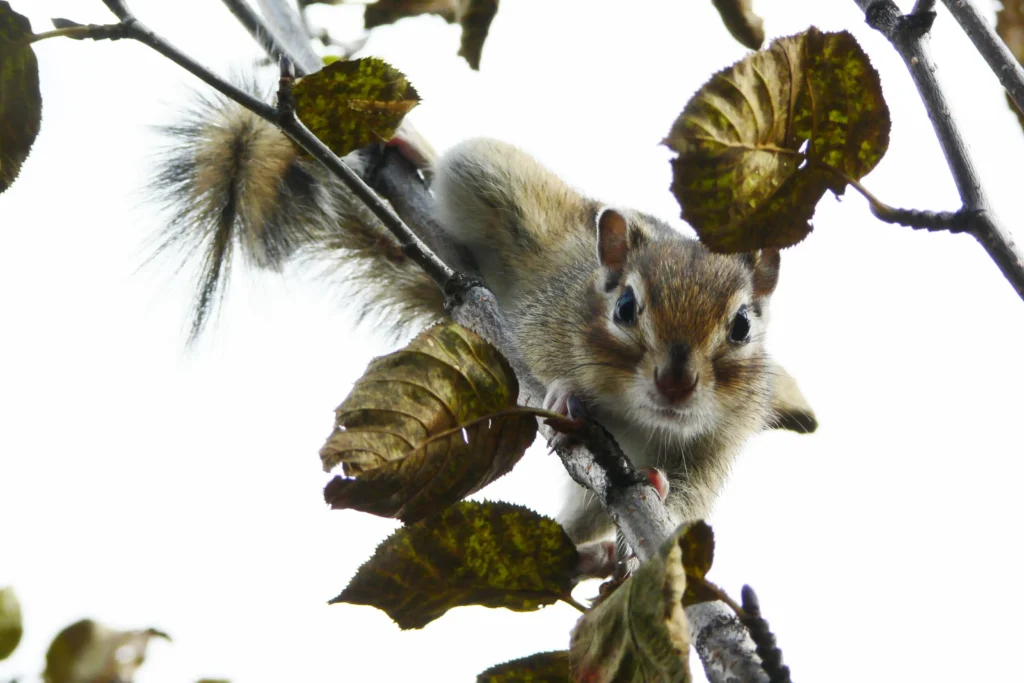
point(490, 554)
point(21, 104)
point(543, 667)
point(88, 652)
point(427, 426)
point(389, 11)
point(10, 622)
point(742, 177)
point(475, 17)
point(350, 104)
point(739, 18)
point(639, 632)
point(1010, 27)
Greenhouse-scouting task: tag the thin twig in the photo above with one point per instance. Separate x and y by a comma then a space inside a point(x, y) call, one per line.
point(907, 34)
point(991, 47)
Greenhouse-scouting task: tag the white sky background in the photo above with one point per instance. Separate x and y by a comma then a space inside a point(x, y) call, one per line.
point(143, 486)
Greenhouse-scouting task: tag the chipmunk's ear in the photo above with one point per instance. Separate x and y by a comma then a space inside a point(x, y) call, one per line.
point(790, 410)
point(615, 238)
point(764, 265)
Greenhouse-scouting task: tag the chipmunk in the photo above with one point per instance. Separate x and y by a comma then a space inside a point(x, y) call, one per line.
point(661, 340)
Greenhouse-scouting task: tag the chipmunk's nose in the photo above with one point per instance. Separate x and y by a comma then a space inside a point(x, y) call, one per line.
point(677, 379)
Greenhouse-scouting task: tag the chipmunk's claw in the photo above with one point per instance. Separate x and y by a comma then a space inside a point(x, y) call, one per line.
point(561, 399)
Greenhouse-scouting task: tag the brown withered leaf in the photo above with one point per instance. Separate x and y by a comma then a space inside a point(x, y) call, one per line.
point(350, 104)
point(21, 104)
point(427, 426)
point(475, 17)
point(10, 622)
point(491, 554)
point(756, 142)
point(741, 21)
point(89, 651)
point(543, 667)
point(1010, 27)
point(638, 633)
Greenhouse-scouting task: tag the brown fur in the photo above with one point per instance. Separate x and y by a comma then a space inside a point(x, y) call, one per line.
point(235, 184)
point(537, 244)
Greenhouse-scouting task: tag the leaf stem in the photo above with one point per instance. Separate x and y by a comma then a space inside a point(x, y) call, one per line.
point(569, 600)
point(75, 31)
point(719, 593)
point(933, 221)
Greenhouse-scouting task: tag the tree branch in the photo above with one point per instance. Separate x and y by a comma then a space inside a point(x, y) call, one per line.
point(991, 47)
point(724, 644)
point(908, 34)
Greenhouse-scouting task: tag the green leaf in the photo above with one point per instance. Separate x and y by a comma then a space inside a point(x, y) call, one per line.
point(427, 426)
point(490, 554)
point(21, 104)
point(639, 632)
point(10, 622)
point(352, 103)
point(543, 667)
point(743, 177)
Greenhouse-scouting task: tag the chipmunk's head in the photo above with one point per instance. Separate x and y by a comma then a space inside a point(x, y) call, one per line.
point(677, 332)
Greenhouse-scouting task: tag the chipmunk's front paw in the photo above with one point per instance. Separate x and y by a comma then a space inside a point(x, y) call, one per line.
point(561, 399)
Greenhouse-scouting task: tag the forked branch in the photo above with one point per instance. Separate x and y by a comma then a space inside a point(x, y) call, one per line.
point(908, 35)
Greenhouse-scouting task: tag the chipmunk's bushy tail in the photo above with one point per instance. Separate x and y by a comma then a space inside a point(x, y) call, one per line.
point(235, 185)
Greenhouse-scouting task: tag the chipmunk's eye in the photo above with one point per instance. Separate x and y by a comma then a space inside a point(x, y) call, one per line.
point(625, 308)
point(740, 330)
